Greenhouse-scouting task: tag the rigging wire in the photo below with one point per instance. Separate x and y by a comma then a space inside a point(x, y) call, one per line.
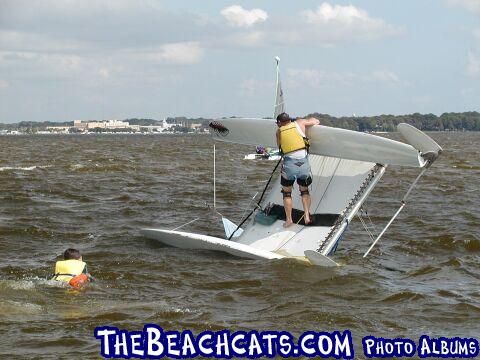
point(367, 230)
point(178, 227)
point(257, 204)
point(370, 225)
point(248, 206)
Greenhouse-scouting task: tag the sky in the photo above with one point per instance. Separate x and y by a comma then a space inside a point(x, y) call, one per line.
point(62, 60)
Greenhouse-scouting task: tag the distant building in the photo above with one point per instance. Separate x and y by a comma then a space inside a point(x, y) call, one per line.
point(116, 124)
point(79, 125)
point(108, 124)
point(96, 125)
point(165, 127)
point(58, 129)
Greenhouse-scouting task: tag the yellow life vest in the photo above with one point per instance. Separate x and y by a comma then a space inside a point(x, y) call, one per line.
point(65, 270)
point(291, 140)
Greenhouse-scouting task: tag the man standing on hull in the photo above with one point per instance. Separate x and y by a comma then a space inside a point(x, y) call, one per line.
point(293, 144)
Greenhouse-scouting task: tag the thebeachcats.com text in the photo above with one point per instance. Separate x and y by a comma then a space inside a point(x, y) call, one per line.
point(154, 342)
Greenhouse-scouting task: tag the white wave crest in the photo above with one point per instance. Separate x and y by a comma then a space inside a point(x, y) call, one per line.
point(24, 168)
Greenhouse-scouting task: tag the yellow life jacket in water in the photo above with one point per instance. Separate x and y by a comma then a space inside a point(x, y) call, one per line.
point(66, 270)
point(291, 139)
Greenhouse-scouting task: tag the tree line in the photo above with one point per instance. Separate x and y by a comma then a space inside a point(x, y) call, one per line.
point(464, 121)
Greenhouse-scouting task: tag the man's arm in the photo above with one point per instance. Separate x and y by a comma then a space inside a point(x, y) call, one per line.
point(278, 138)
point(306, 123)
point(310, 121)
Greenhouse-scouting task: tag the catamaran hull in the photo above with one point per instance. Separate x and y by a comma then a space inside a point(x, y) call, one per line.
point(191, 241)
point(324, 141)
point(184, 240)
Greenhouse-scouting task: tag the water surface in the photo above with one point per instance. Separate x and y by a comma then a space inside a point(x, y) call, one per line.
point(96, 192)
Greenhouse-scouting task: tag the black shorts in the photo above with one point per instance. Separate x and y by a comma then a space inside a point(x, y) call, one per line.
point(305, 182)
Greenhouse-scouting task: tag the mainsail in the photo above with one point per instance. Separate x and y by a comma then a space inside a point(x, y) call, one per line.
point(279, 101)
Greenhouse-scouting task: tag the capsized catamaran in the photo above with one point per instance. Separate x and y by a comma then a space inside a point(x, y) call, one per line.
point(346, 166)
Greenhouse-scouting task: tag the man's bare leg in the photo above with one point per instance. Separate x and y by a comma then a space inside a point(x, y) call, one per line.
point(306, 202)
point(287, 204)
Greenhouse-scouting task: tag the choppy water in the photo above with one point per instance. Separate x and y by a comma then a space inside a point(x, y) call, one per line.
point(96, 192)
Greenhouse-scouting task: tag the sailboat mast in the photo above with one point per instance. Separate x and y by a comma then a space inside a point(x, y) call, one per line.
point(277, 59)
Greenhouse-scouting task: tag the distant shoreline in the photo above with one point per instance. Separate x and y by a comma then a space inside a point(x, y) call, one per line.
point(195, 133)
point(106, 134)
point(464, 121)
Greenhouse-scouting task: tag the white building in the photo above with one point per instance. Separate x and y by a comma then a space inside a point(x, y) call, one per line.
point(116, 124)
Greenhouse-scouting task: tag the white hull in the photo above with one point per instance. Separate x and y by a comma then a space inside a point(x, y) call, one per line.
point(184, 240)
point(324, 140)
point(262, 157)
point(191, 241)
point(418, 139)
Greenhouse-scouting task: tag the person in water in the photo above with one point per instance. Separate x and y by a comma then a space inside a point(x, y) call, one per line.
point(72, 269)
point(293, 144)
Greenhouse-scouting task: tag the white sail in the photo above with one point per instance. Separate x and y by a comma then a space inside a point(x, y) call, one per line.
point(279, 100)
point(230, 228)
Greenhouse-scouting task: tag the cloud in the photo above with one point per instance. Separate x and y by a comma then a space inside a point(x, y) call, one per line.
point(385, 76)
point(33, 67)
point(13, 40)
point(43, 64)
point(248, 39)
point(340, 23)
point(239, 17)
point(470, 5)
point(318, 78)
point(324, 26)
point(101, 25)
point(178, 53)
point(341, 15)
point(309, 77)
point(251, 86)
point(97, 41)
point(114, 47)
point(473, 64)
point(72, 27)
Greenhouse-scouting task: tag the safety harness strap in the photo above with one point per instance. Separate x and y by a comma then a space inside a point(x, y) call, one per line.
point(60, 274)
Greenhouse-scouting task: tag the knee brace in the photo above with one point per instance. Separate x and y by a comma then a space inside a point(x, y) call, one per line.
point(305, 181)
point(286, 194)
point(304, 192)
